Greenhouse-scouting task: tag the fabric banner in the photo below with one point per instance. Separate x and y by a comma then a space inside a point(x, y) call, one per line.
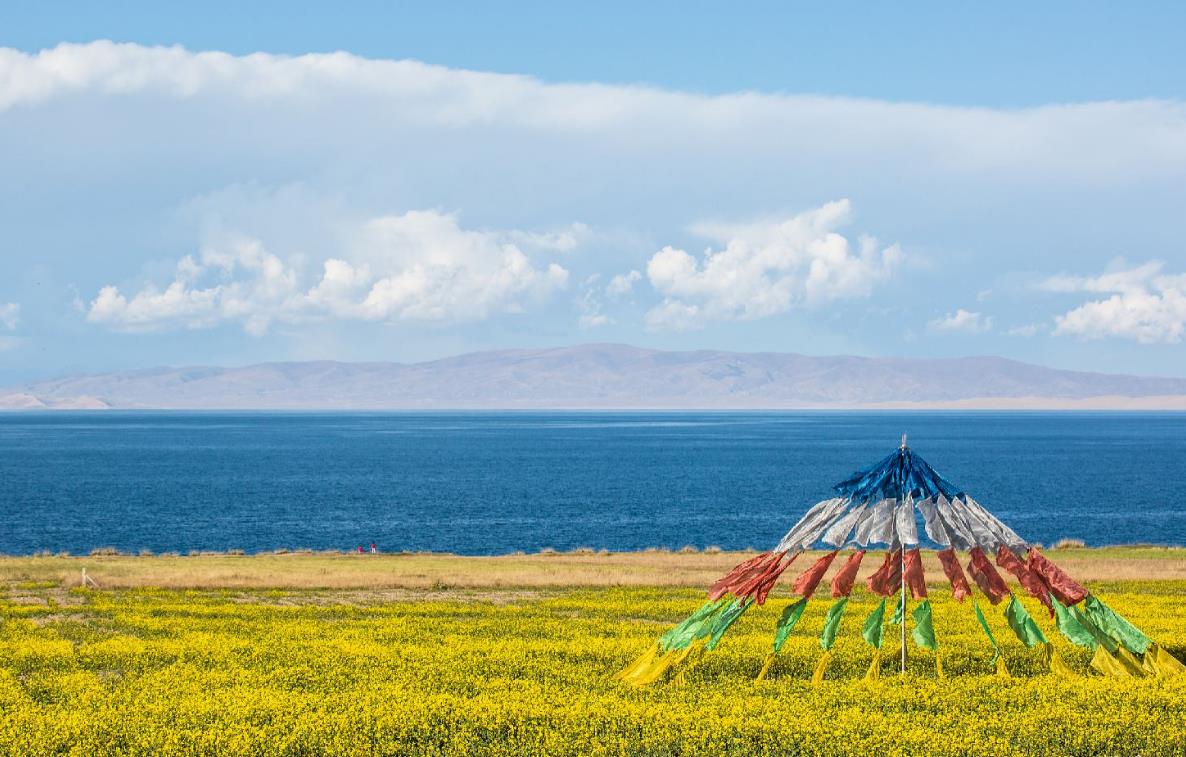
point(726, 619)
point(788, 621)
point(914, 575)
point(1115, 625)
point(695, 626)
point(762, 589)
point(844, 579)
point(838, 532)
point(1105, 664)
point(1161, 663)
point(924, 628)
point(888, 578)
point(1029, 580)
point(905, 525)
point(1023, 625)
point(821, 667)
point(1064, 588)
point(735, 576)
point(812, 525)
point(761, 580)
point(961, 536)
point(955, 574)
point(1055, 663)
point(809, 579)
point(874, 671)
point(932, 523)
point(1101, 638)
point(874, 630)
point(986, 577)
point(996, 648)
point(832, 623)
point(1070, 627)
point(876, 524)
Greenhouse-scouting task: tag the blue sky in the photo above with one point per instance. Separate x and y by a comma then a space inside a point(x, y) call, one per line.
point(218, 185)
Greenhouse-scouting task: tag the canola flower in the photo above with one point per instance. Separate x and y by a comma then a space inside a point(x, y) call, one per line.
point(254, 673)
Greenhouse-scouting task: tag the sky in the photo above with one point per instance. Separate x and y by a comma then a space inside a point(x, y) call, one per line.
point(233, 183)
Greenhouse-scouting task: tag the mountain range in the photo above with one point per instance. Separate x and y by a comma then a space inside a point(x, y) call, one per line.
point(605, 376)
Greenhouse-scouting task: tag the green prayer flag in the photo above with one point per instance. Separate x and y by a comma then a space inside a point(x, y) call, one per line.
point(899, 607)
point(695, 626)
point(726, 619)
point(1070, 627)
point(1101, 638)
point(924, 628)
point(1023, 625)
point(996, 648)
point(875, 626)
point(1114, 624)
point(832, 623)
point(788, 621)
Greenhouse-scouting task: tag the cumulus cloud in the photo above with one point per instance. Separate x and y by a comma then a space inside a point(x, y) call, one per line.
point(1146, 305)
point(764, 269)
point(418, 266)
point(962, 321)
point(10, 315)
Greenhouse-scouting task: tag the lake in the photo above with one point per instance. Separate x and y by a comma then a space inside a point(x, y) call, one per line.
point(491, 483)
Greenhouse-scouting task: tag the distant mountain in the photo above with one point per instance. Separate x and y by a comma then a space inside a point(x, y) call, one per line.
point(609, 376)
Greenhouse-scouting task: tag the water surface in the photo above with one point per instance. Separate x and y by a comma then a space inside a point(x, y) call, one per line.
point(490, 483)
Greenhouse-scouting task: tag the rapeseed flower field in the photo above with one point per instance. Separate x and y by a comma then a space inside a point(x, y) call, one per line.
point(147, 671)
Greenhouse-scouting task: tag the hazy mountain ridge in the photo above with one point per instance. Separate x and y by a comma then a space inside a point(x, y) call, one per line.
point(606, 376)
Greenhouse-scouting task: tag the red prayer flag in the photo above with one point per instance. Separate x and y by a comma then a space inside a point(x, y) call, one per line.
point(764, 589)
point(955, 574)
point(914, 576)
point(1028, 579)
point(847, 575)
point(986, 577)
point(886, 579)
point(807, 581)
point(760, 583)
point(721, 587)
point(1065, 588)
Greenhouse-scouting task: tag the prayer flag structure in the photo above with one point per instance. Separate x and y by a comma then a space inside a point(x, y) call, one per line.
point(882, 505)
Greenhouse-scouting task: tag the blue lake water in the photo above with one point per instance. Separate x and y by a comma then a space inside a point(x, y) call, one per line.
point(490, 483)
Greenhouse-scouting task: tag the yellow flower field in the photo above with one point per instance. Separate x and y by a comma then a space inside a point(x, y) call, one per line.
point(143, 671)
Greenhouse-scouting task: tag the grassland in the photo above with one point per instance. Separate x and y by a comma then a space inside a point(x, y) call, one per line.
point(580, 568)
point(424, 654)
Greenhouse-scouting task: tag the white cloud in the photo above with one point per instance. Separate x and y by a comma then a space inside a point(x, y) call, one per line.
point(556, 241)
point(418, 266)
point(1077, 139)
point(1027, 330)
point(10, 315)
point(765, 269)
point(1145, 305)
point(962, 321)
point(622, 284)
point(589, 304)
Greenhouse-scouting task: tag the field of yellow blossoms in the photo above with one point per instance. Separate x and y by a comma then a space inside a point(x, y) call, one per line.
point(267, 672)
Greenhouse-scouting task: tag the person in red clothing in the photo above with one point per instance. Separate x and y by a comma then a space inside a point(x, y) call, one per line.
point(360, 549)
point(373, 550)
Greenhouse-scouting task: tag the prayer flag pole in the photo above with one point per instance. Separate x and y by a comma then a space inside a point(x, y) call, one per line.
point(902, 557)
